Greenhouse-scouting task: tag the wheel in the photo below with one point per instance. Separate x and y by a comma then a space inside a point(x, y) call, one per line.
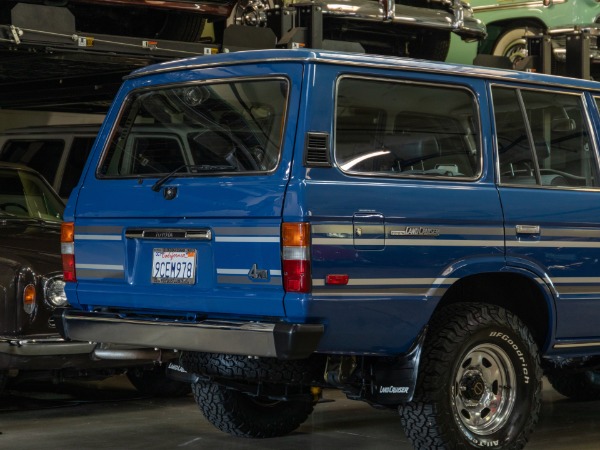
point(433, 46)
point(240, 414)
point(154, 381)
point(578, 386)
point(513, 44)
point(183, 27)
point(479, 382)
point(252, 13)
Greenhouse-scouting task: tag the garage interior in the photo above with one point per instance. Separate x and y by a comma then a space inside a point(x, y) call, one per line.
point(54, 81)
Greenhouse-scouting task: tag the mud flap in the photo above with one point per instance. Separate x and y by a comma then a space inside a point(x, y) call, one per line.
point(394, 380)
point(176, 372)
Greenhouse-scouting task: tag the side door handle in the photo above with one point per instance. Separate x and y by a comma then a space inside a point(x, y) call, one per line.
point(527, 229)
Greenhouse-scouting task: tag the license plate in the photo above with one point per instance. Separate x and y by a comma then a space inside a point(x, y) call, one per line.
point(173, 266)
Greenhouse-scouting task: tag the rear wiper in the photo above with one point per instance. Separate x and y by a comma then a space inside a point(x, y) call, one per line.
point(193, 168)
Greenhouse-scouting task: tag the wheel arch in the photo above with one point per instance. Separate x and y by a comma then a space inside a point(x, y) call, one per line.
point(520, 292)
point(496, 28)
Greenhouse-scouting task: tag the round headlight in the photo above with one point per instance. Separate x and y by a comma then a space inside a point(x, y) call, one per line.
point(54, 292)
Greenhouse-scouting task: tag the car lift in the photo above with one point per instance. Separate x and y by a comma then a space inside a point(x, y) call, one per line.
point(577, 52)
point(45, 62)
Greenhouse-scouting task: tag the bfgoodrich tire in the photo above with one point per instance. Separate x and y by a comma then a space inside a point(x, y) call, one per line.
point(579, 386)
point(479, 382)
point(240, 414)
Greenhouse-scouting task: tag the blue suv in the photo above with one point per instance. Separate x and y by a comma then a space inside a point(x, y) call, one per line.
point(423, 236)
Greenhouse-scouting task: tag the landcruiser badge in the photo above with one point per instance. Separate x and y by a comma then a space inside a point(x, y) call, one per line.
point(416, 231)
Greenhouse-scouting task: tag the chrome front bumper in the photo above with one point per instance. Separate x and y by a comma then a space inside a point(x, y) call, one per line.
point(279, 340)
point(461, 21)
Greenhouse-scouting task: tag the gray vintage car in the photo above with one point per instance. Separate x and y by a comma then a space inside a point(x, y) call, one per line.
point(416, 28)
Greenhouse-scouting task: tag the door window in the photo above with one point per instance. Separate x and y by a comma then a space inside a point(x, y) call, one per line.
point(542, 139)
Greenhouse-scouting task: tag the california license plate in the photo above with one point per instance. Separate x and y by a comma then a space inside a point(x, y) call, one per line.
point(173, 266)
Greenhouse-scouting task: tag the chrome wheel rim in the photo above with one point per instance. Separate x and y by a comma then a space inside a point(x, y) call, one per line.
point(484, 389)
point(252, 13)
point(517, 51)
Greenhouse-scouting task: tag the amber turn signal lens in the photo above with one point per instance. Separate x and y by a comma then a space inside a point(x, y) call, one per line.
point(29, 299)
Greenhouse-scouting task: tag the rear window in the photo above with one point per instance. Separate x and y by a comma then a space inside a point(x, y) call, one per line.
point(214, 128)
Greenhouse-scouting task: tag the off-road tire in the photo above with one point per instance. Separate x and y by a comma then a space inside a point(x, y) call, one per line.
point(270, 370)
point(154, 381)
point(578, 386)
point(471, 352)
point(242, 415)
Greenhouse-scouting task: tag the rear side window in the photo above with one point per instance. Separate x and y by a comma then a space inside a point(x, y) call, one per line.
point(233, 127)
point(41, 155)
point(543, 139)
point(389, 128)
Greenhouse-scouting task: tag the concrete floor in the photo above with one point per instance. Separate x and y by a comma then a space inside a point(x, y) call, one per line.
point(110, 415)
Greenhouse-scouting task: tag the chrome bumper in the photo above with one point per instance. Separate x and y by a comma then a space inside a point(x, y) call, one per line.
point(279, 340)
point(460, 22)
point(46, 346)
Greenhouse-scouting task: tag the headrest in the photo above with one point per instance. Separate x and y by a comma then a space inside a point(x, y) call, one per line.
point(411, 146)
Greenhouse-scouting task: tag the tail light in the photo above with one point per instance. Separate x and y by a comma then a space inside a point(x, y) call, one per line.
point(67, 248)
point(295, 241)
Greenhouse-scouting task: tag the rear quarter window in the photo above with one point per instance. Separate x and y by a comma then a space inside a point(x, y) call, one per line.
point(389, 128)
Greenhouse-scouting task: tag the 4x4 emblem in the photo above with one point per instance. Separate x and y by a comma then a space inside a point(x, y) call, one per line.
point(258, 274)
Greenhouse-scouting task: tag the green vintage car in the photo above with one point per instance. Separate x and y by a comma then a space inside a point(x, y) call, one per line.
point(509, 21)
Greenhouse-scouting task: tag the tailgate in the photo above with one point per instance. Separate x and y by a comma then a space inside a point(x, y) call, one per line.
point(183, 214)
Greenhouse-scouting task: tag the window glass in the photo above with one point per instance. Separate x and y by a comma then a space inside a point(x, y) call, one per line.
point(398, 129)
point(23, 194)
point(80, 150)
point(233, 127)
point(41, 155)
point(553, 125)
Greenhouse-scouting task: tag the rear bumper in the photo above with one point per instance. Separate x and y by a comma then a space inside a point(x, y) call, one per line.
point(48, 346)
point(279, 340)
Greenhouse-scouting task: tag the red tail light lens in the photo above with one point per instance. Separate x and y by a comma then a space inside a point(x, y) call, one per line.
point(295, 240)
point(67, 248)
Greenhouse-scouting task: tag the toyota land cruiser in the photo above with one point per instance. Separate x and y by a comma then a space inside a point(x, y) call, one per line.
point(423, 236)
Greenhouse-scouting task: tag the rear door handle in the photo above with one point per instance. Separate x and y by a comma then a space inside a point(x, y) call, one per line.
point(528, 229)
